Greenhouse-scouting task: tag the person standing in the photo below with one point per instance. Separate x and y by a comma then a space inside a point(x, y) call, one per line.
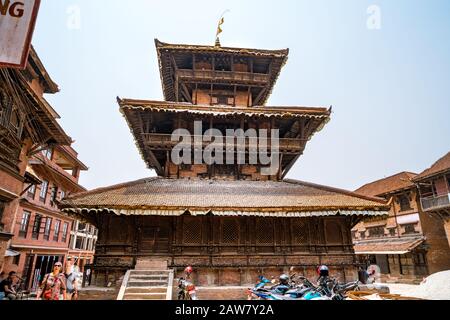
point(72, 276)
point(53, 285)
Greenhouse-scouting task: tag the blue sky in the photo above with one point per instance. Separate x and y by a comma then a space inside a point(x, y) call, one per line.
point(389, 87)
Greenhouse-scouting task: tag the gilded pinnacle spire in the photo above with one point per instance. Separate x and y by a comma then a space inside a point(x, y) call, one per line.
point(219, 28)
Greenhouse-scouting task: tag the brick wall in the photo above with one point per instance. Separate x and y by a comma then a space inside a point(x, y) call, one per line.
point(447, 229)
point(441, 186)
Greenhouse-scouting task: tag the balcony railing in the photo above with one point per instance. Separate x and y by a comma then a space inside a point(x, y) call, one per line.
point(164, 140)
point(229, 76)
point(436, 202)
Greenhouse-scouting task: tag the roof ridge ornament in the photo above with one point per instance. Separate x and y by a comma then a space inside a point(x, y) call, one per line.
point(219, 28)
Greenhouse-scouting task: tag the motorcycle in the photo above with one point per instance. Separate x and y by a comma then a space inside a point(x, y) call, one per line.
point(294, 287)
point(187, 290)
point(330, 289)
point(281, 291)
point(259, 292)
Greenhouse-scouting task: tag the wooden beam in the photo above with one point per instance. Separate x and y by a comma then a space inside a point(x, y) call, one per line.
point(289, 167)
point(186, 92)
point(259, 97)
point(172, 58)
point(155, 162)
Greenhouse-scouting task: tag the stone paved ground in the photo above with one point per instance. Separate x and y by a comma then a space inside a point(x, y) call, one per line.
point(222, 293)
point(406, 290)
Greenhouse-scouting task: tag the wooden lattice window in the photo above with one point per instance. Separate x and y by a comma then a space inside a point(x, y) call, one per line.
point(376, 232)
point(334, 232)
point(230, 231)
point(117, 230)
point(405, 202)
point(300, 234)
point(192, 230)
point(265, 231)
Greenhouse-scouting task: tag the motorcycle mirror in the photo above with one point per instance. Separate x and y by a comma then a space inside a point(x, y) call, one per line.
point(292, 269)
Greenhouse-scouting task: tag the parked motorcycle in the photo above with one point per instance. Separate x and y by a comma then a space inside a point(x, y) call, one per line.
point(289, 288)
point(300, 288)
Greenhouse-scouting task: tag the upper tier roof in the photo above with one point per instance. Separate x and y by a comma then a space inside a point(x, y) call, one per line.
point(135, 111)
point(168, 53)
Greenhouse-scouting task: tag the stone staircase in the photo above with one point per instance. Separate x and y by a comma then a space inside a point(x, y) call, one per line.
point(147, 285)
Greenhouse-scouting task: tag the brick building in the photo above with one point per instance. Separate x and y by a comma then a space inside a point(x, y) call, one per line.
point(38, 167)
point(43, 235)
point(27, 124)
point(409, 244)
point(434, 191)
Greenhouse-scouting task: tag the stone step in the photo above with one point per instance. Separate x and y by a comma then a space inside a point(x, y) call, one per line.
point(149, 277)
point(144, 296)
point(162, 290)
point(147, 283)
point(149, 272)
point(151, 263)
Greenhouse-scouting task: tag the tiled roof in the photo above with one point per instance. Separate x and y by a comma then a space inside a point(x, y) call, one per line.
point(221, 110)
point(283, 53)
point(203, 195)
point(381, 187)
point(389, 245)
point(440, 166)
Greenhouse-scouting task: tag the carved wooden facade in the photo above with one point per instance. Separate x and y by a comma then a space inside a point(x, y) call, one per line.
point(209, 242)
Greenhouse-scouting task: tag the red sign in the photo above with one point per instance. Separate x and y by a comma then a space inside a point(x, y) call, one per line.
point(17, 21)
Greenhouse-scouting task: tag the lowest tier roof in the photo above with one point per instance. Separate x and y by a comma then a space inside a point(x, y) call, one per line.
point(159, 196)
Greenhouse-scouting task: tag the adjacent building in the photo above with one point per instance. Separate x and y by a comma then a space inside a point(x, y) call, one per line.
point(83, 240)
point(27, 125)
point(230, 221)
point(434, 191)
point(411, 243)
point(38, 168)
point(43, 235)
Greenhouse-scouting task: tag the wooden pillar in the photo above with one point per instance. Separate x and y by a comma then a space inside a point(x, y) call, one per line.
point(211, 94)
point(33, 266)
point(196, 94)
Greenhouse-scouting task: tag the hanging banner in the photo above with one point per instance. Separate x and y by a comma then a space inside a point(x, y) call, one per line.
point(17, 21)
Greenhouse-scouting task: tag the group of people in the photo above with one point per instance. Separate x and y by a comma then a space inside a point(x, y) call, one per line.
point(60, 284)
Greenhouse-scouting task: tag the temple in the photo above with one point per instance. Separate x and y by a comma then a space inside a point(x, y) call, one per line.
point(230, 221)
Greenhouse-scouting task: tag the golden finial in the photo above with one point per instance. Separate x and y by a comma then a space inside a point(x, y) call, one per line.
point(219, 28)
